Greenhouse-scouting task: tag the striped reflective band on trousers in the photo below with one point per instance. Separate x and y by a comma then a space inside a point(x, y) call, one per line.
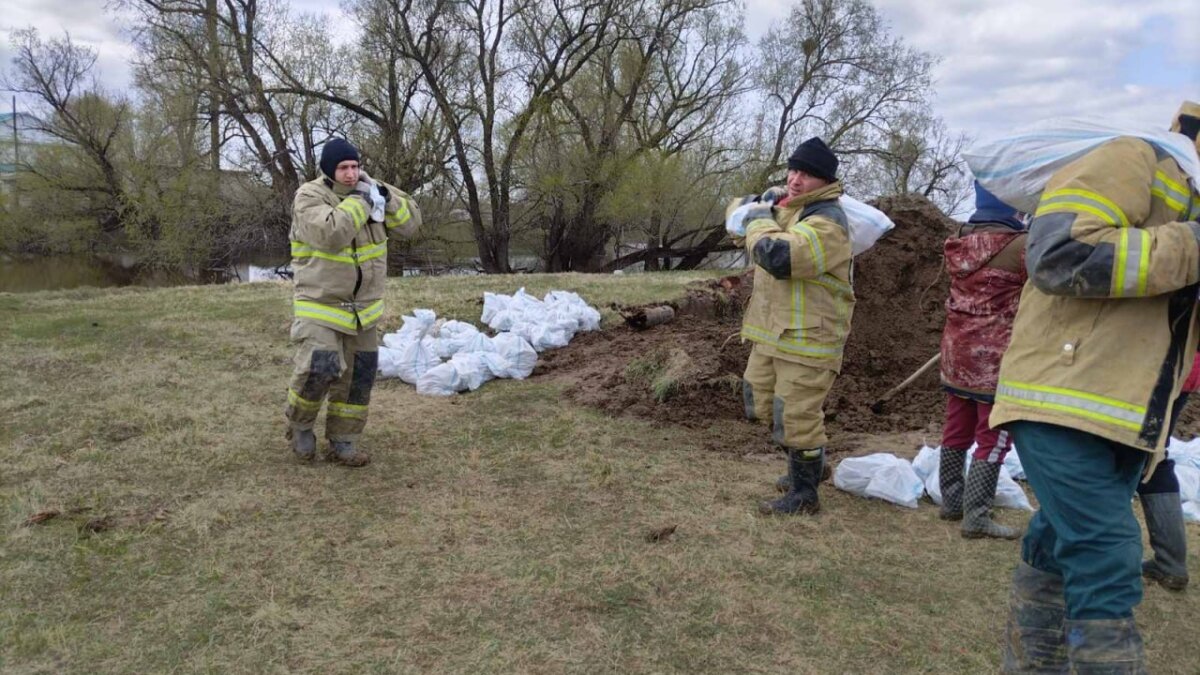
point(337, 316)
point(1073, 402)
point(351, 410)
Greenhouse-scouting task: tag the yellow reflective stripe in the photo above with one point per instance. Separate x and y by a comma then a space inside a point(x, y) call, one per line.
point(300, 402)
point(814, 244)
point(372, 313)
point(312, 310)
point(1132, 263)
point(350, 410)
point(816, 350)
point(357, 212)
point(347, 255)
point(1174, 195)
point(400, 217)
point(1080, 403)
point(1083, 200)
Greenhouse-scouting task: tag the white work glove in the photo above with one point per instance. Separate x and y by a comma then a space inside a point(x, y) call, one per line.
point(378, 203)
point(752, 210)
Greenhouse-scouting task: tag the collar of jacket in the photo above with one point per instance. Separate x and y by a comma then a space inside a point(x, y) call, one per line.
point(831, 191)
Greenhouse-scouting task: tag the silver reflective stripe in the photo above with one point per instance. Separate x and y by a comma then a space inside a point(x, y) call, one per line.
point(1114, 217)
point(1063, 401)
point(1174, 199)
point(1131, 241)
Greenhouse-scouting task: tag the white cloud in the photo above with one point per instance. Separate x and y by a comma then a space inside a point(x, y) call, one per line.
point(1004, 62)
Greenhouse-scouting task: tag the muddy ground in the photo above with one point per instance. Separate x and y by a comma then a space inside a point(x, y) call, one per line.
point(687, 372)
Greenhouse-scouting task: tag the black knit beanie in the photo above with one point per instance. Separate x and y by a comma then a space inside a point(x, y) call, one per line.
point(336, 151)
point(814, 158)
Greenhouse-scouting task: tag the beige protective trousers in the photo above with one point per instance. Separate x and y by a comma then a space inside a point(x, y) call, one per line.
point(788, 395)
point(333, 365)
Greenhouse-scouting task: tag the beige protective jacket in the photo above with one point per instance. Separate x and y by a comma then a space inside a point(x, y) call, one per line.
point(1106, 330)
point(803, 300)
point(339, 255)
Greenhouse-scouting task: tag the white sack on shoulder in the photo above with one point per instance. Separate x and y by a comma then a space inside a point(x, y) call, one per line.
point(865, 222)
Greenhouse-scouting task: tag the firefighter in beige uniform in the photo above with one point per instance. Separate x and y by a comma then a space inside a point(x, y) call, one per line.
point(340, 227)
point(799, 314)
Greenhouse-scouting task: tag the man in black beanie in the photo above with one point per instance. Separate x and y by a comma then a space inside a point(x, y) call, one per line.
point(341, 222)
point(799, 314)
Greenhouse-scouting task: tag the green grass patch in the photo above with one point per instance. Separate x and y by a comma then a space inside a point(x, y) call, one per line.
point(504, 530)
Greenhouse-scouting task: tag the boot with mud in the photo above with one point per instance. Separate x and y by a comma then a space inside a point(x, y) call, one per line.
point(950, 479)
point(1105, 647)
point(346, 454)
point(804, 469)
point(1168, 540)
point(977, 504)
point(784, 482)
point(303, 443)
point(1037, 614)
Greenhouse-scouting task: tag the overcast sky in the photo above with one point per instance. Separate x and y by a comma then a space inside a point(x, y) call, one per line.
point(1003, 62)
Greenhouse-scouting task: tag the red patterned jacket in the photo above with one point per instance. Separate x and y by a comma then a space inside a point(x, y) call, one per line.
point(986, 263)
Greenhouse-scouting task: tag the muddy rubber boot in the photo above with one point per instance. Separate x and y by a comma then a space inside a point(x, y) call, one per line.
point(804, 466)
point(977, 504)
point(303, 442)
point(1168, 540)
point(1105, 647)
point(950, 479)
point(1035, 641)
point(344, 453)
point(784, 482)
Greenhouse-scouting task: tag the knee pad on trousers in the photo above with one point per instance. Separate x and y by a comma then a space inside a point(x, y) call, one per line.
point(1162, 480)
point(777, 422)
point(323, 369)
point(748, 401)
point(362, 379)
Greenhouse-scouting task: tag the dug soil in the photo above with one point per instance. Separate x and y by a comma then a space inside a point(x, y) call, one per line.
point(687, 372)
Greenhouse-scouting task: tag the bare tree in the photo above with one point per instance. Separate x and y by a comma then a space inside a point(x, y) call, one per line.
point(57, 74)
point(831, 69)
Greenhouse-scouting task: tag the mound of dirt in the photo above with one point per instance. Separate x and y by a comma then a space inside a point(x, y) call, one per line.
point(687, 372)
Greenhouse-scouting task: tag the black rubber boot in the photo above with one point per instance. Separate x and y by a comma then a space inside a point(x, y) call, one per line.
point(344, 453)
point(1168, 540)
point(1105, 647)
point(1037, 614)
point(950, 479)
point(804, 468)
point(303, 442)
point(977, 504)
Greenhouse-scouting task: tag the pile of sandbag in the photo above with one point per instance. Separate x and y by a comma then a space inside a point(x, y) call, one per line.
point(444, 357)
point(885, 476)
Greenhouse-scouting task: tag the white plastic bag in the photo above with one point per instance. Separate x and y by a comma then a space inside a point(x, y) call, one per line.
point(415, 359)
point(521, 356)
point(1012, 462)
point(881, 475)
point(493, 303)
point(1009, 494)
point(472, 370)
point(866, 224)
point(735, 223)
point(1189, 483)
point(441, 380)
point(1016, 168)
point(497, 364)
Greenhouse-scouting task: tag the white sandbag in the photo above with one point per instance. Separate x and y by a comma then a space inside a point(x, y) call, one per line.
point(416, 359)
point(897, 483)
point(389, 362)
point(569, 305)
point(927, 461)
point(496, 363)
point(1016, 168)
point(503, 320)
point(1012, 462)
point(441, 380)
point(474, 343)
point(399, 340)
point(545, 336)
point(1185, 453)
point(521, 355)
point(444, 347)
point(881, 475)
point(454, 329)
point(419, 324)
point(472, 370)
point(1191, 511)
point(492, 303)
point(1189, 483)
point(866, 224)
